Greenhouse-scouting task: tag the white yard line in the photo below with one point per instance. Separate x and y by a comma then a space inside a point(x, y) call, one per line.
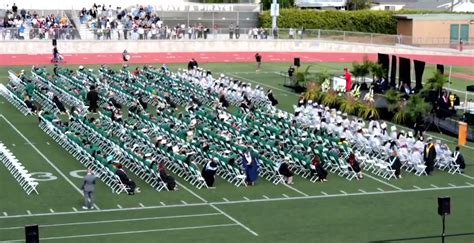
point(246, 198)
point(343, 192)
point(362, 191)
point(117, 220)
point(225, 199)
point(324, 195)
point(183, 202)
point(130, 232)
point(217, 209)
point(380, 189)
point(470, 177)
point(162, 203)
point(384, 182)
point(74, 209)
point(434, 186)
point(51, 210)
point(452, 185)
point(265, 196)
point(296, 190)
point(118, 206)
point(28, 212)
point(141, 205)
point(417, 187)
point(285, 195)
point(5, 213)
point(44, 157)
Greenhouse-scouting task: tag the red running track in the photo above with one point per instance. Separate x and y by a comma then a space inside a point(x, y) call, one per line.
point(203, 57)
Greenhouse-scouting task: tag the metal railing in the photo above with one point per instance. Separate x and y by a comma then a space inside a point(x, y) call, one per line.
point(165, 33)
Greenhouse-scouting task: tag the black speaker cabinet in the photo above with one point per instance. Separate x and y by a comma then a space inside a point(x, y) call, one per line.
point(296, 61)
point(31, 233)
point(55, 42)
point(444, 205)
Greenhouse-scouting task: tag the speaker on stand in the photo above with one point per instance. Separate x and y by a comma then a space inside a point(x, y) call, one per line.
point(31, 233)
point(55, 42)
point(297, 61)
point(444, 208)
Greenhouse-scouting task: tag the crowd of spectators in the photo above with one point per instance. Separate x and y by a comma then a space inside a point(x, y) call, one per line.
point(22, 24)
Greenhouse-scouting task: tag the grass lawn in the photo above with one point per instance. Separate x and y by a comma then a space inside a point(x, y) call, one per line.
point(372, 209)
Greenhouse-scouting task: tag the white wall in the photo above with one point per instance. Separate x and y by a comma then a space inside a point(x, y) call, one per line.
point(39, 47)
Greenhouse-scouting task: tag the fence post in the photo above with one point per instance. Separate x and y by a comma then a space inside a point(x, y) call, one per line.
point(319, 34)
point(371, 38)
point(344, 36)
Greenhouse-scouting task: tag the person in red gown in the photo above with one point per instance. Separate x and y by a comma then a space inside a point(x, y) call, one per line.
point(348, 77)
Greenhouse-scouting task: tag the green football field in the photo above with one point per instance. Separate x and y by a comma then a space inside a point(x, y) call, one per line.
point(368, 210)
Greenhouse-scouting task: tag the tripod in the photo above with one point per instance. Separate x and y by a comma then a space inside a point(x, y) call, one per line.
point(444, 227)
point(433, 123)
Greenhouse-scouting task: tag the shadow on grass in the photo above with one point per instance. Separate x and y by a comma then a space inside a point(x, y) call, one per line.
point(422, 237)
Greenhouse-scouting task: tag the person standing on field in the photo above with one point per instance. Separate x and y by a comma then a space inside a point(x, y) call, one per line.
point(258, 59)
point(88, 188)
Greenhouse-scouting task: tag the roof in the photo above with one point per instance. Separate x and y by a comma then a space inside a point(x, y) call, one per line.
point(435, 16)
point(421, 4)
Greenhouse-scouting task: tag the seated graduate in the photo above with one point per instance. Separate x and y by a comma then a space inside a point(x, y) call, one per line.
point(284, 169)
point(167, 179)
point(271, 98)
point(395, 163)
point(209, 171)
point(354, 165)
point(459, 159)
point(59, 104)
point(29, 103)
point(131, 186)
point(317, 167)
point(250, 164)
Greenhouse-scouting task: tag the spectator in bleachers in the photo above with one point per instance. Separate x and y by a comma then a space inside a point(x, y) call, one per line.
point(129, 183)
point(459, 159)
point(209, 171)
point(250, 164)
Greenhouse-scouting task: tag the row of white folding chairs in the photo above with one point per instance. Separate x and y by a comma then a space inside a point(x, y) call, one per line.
point(14, 100)
point(18, 171)
point(107, 176)
point(447, 162)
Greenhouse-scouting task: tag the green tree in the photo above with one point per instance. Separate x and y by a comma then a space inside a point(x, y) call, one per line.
point(358, 4)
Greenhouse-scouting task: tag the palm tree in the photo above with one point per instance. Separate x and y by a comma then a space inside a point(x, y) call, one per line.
point(393, 98)
point(377, 70)
point(436, 83)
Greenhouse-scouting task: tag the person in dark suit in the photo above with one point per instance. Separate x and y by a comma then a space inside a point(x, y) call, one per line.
point(132, 187)
point(88, 188)
point(209, 171)
point(429, 155)
point(192, 64)
point(167, 179)
point(459, 159)
point(93, 98)
point(258, 59)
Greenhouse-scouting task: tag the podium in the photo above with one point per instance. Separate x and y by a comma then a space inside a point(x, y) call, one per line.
point(462, 133)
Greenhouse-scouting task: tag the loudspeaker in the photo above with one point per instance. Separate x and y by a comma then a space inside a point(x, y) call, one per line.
point(470, 88)
point(419, 70)
point(296, 61)
point(440, 68)
point(55, 42)
point(31, 233)
point(384, 60)
point(393, 71)
point(444, 205)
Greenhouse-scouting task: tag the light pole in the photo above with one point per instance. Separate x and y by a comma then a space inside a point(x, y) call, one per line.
point(275, 12)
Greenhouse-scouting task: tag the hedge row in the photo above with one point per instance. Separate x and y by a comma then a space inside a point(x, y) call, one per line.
point(383, 22)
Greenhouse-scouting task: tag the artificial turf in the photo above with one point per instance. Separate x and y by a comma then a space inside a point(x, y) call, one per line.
point(335, 211)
